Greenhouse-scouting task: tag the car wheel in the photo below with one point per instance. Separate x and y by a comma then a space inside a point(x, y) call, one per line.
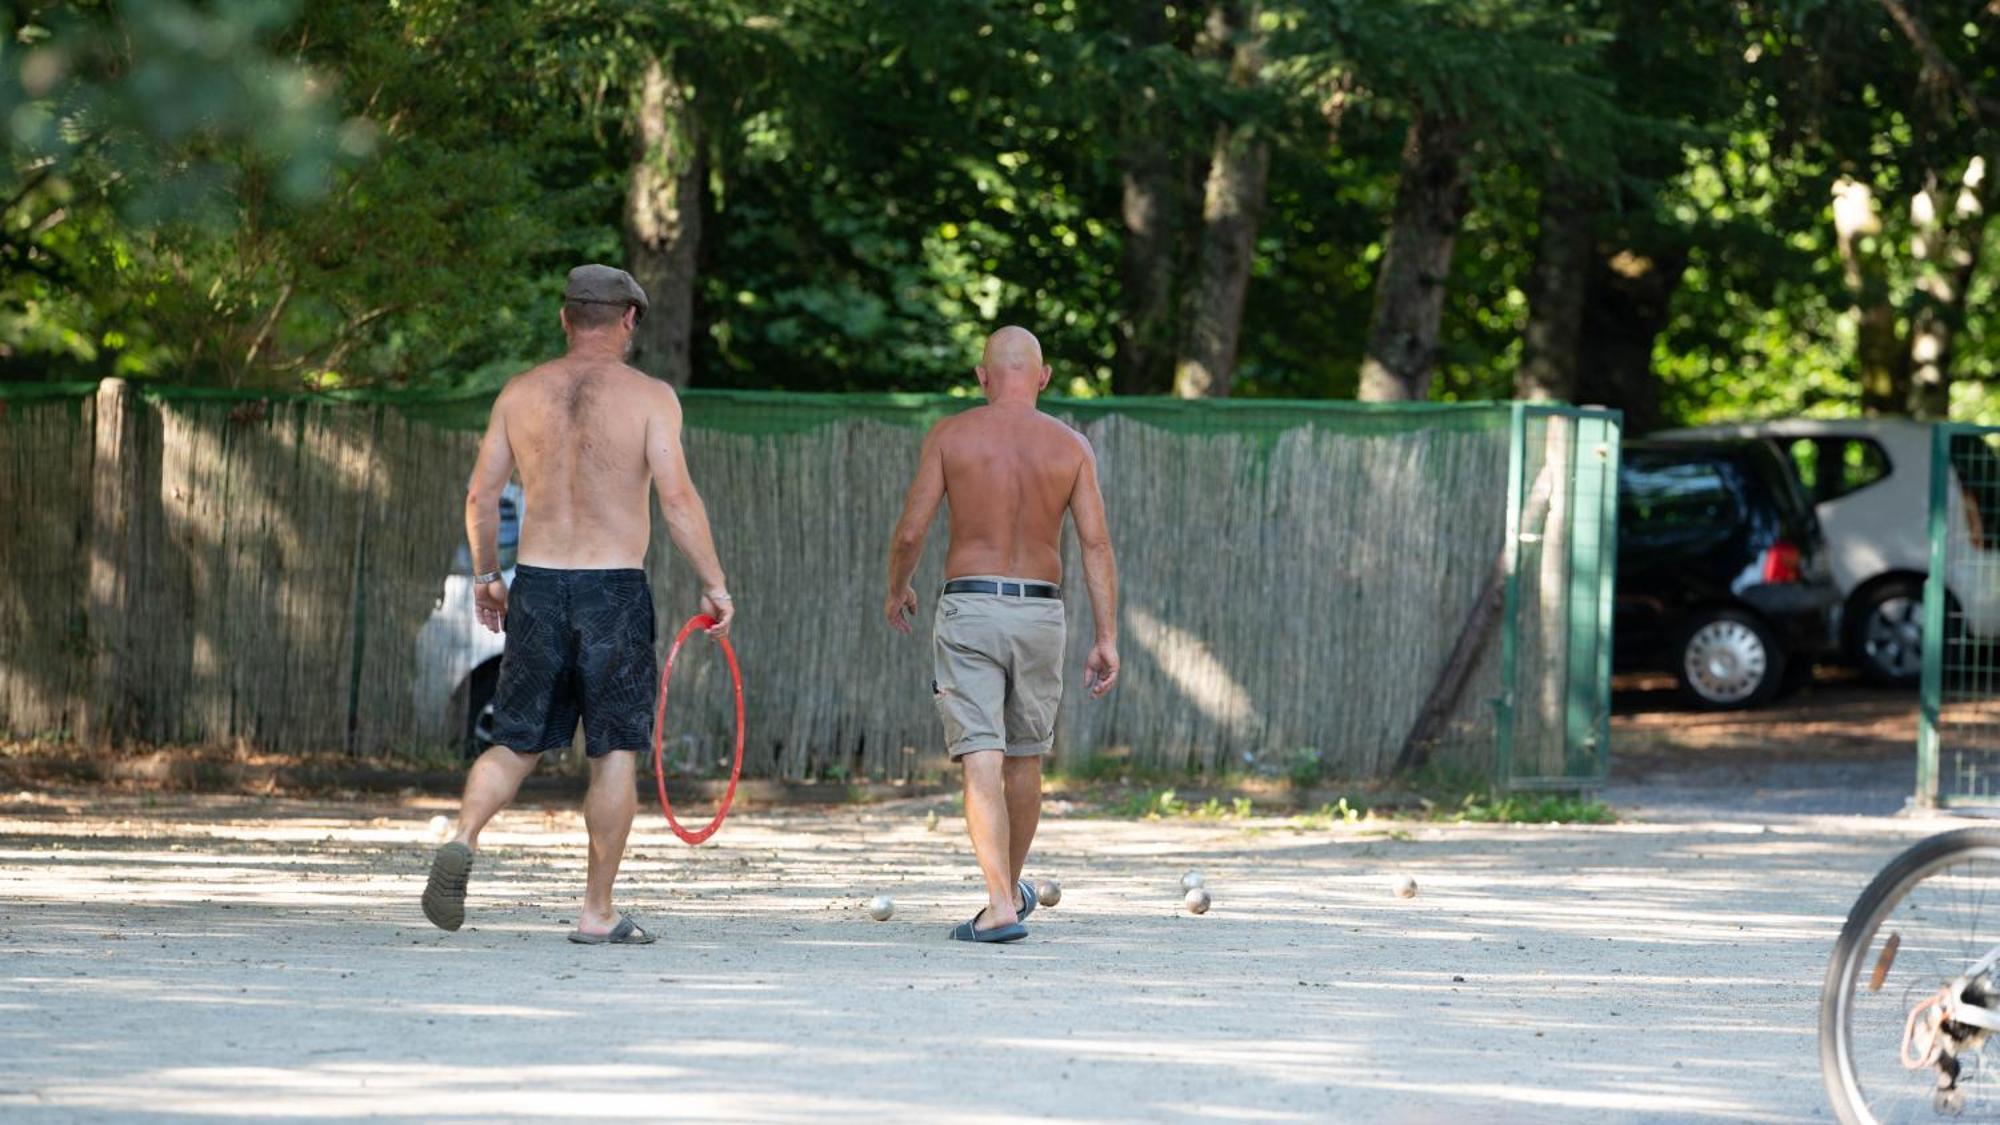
point(1729, 660)
point(479, 709)
point(1885, 633)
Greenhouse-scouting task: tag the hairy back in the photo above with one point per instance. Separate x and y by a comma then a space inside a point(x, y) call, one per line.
point(1008, 474)
point(578, 432)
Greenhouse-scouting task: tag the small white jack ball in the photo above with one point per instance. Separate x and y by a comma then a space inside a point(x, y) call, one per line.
point(1048, 892)
point(881, 907)
point(1406, 887)
point(1197, 900)
point(440, 828)
point(1191, 880)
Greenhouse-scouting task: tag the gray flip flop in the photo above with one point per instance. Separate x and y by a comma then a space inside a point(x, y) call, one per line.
point(626, 932)
point(444, 895)
point(1028, 900)
point(966, 931)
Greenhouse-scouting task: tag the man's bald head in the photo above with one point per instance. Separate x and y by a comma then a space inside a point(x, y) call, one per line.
point(1011, 367)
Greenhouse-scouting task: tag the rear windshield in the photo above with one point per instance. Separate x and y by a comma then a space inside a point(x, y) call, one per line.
point(1676, 492)
point(1768, 465)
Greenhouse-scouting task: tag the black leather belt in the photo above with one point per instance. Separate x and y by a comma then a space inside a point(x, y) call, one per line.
point(1007, 589)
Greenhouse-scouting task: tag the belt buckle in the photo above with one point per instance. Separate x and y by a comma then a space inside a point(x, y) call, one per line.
point(1012, 589)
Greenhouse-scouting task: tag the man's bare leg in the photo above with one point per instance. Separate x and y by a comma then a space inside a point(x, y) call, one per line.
point(489, 787)
point(607, 814)
point(1024, 813)
point(986, 817)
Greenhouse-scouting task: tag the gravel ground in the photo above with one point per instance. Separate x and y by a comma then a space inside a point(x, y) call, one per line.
point(217, 958)
point(189, 958)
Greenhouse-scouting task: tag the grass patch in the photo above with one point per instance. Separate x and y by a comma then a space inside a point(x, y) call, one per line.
point(1166, 804)
point(1532, 808)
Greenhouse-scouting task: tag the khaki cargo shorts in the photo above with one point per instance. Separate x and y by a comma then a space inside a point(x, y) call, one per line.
point(999, 671)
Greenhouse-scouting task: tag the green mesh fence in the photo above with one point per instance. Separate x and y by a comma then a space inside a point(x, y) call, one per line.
point(1308, 587)
point(1958, 759)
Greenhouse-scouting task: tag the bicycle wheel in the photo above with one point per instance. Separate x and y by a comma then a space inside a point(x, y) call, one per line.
point(1930, 915)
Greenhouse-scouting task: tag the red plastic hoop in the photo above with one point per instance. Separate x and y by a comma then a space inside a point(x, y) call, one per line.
point(698, 622)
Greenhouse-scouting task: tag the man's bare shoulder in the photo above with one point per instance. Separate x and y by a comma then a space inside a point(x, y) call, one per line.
point(1066, 435)
point(951, 426)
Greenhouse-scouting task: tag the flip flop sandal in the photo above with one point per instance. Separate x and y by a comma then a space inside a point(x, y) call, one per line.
point(626, 932)
point(444, 895)
point(1028, 900)
point(966, 931)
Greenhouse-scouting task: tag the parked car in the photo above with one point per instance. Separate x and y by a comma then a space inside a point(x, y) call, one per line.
point(458, 659)
point(1723, 576)
point(1870, 484)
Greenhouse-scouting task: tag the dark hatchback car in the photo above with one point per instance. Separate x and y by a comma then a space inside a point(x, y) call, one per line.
point(1723, 576)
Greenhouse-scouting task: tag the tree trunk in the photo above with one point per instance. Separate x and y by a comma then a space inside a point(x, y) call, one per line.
point(1949, 226)
point(663, 222)
point(1625, 310)
point(1879, 349)
point(1145, 335)
point(1232, 204)
point(1556, 290)
point(1409, 288)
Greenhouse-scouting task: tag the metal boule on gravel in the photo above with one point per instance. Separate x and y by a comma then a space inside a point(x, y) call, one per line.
point(1048, 892)
point(1406, 887)
point(881, 907)
point(1197, 900)
point(1191, 880)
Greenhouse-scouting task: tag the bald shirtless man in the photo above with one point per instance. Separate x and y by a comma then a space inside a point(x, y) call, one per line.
point(588, 435)
point(1010, 472)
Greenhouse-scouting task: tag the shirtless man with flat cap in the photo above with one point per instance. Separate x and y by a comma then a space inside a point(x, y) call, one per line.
point(590, 437)
point(1011, 474)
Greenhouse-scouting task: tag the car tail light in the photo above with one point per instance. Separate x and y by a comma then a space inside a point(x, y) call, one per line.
point(1781, 562)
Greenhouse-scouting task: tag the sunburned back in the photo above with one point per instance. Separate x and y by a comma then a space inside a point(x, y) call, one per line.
point(578, 432)
point(1008, 475)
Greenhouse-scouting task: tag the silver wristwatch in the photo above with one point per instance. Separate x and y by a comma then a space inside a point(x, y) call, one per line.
point(483, 579)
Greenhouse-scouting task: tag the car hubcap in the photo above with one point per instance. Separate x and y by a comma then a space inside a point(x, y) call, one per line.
point(1894, 637)
point(1726, 662)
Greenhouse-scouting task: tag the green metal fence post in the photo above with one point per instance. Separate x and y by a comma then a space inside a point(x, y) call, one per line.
point(1510, 625)
point(1607, 580)
point(1931, 691)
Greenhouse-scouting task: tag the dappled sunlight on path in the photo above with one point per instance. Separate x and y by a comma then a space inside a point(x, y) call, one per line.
point(229, 957)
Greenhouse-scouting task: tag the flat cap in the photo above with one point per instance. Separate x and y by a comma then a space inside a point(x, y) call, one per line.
point(604, 285)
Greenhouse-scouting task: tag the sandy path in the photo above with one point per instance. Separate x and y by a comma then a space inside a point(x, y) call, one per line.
point(235, 958)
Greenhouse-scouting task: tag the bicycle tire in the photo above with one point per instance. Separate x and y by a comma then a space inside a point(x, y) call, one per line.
point(1883, 893)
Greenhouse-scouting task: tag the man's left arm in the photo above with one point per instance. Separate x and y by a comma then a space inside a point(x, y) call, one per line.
point(490, 474)
point(906, 546)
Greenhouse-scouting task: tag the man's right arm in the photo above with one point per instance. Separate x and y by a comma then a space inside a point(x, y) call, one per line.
point(482, 515)
point(687, 516)
point(1100, 575)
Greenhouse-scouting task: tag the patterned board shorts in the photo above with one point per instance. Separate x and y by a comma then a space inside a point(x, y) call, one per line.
point(579, 646)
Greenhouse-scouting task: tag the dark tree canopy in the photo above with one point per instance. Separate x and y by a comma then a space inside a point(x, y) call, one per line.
point(1684, 210)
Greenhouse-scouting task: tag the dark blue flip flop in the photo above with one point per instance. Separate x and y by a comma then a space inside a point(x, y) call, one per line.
point(966, 931)
point(1028, 900)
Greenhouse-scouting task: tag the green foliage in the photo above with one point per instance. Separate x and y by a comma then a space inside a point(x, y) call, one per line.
point(1538, 808)
point(1328, 816)
point(286, 195)
point(1166, 804)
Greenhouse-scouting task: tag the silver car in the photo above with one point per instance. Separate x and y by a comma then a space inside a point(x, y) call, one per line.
point(1869, 479)
point(458, 659)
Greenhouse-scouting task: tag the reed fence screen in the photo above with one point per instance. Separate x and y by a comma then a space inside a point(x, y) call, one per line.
point(1301, 581)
